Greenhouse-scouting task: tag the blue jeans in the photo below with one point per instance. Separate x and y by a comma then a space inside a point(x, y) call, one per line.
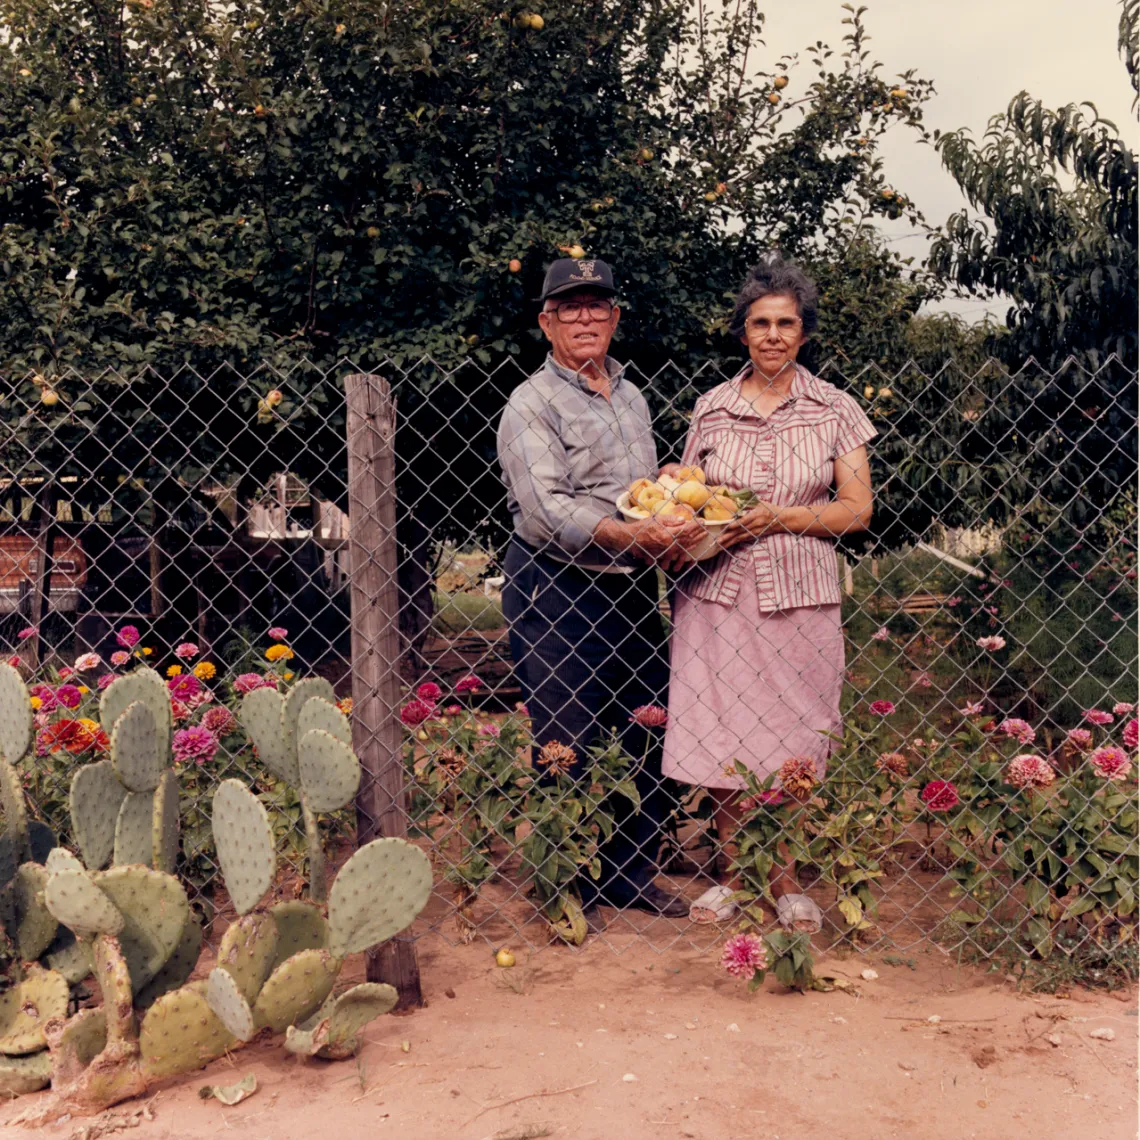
point(588, 649)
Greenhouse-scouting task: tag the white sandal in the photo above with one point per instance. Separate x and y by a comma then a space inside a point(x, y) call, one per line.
point(798, 912)
point(715, 905)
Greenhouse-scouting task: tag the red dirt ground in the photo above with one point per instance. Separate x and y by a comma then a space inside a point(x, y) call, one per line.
point(649, 1043)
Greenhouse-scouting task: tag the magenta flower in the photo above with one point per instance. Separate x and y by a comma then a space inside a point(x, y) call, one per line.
point(940, 795)
point(415, 712)
point(743, 955)
point(881, 708)
point(1122, 708)
point(247, 682)
point(1029, 771)
point(768, 798)
point(219, 720)
point(120, 657)
point(1095, 716)
point(468, 684)
point(49, 702)
point(14, 661)
point(521, 709)
point(26, 632)
point(105, 681)
point(1110, 763)
point(277, 633)
point(187, 651)
point(1080, 739)
point(429, 691)
point(86, 661)
point(66, 671)
point(128, 637)
point(196, 743)
point(490, 729)
point(973, 708)
point(1020, 729)
point(1131, 734)
point(179, 711)
point(453, 710)
point(881, 634)
point(184, 687)
point(69, 696)
point(650, 716)
point(991, 643)
point(922, 680)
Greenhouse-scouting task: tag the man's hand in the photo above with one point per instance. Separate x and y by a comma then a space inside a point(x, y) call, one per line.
point(760, 520)
point(660, 539)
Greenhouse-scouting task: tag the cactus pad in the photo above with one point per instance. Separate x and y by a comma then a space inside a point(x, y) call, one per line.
point(41, 841)
point(75, 900)
point(226, 1000)
point(176, 970)
point(60, 859)
point(134, 749)
point(30, 924)
point(330, 771)
point(378, 892)
point(134, 830)
point(84, 1036)
point(96, 797)
point(298, 695)
point(154, 910)
point(300, 926)
point(25, 1008)
point(165, 822)
point(261, 712)
point(19, 1075)
point(296, 989)
point(333, 1031)
point(142, 685)
point(15, 811)
point(318, 712)
point(248, 951)
point(244, 841)
point(181, 1033)
point(15, 715)
point(68, 956)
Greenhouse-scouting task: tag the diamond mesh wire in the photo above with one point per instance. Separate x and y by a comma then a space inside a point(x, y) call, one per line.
point(994, 620)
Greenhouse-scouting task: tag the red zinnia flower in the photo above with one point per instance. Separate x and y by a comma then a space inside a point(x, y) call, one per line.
point(940, 795)
point(468, 684)
point(650, 716)
point(429, 691)
point(882, 708)
point(415, 712)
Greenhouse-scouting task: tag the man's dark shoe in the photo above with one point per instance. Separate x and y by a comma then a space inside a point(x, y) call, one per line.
point(595, 924)
point(653, 899)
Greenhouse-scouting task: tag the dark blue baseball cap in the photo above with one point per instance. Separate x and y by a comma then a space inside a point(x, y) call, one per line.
point(570, 273)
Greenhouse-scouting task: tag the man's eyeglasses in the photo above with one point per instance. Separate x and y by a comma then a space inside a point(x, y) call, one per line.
point(570, 311)
point(786, 327)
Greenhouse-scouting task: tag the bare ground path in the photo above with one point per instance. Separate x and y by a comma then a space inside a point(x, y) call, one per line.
point(707, 1060)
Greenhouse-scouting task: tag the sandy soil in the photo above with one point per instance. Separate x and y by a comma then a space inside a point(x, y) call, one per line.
point(644, 1043)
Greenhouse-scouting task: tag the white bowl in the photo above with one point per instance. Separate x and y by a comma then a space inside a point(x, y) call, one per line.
point(708, 547)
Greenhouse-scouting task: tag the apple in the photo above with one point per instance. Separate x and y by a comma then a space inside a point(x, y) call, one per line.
point(645, 154)
point(514, 265)
point(888, 193)
point(341, 29)
point(780, 82)
point(274, 397)
point(505, 958)
point(711, 196)
point(49, 398)
point(898, 93)
point(259, 111)
point(576, 252)
point(373, 231)
point(536, 22)
point(773, 98)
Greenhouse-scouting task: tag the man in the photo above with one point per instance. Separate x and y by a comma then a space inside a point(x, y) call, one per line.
point(586, 635)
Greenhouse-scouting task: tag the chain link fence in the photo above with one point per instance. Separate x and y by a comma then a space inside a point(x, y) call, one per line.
point(943, 750)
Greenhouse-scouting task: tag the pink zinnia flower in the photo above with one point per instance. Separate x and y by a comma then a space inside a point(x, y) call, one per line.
point(415, 712)
point(179, 711)
point(120, 657)
point(881, 634)
point(743, 955)
point(882, 708)
point(105, 681)
point(277, 633)
point(1079, 738)
point(1131, 734)
point(521, 709)
point(1029, 771)
point(183, 687)
point(219, 720)
point(49, 702)
point(1110, 763)
point(247, 682)
point(922, 680)
point(973, 708)
point(468, 684)
point(940, 795)
point(66, 671)
point(1020, 729)
point(1122, 708)
point(196, 743)
point(453, 710)
point(798, 776)
point(87, 661)
point(186, 651)
point(1095, 716)
point(650, 716)
point(489, 729)
point(769, 798)
point(69, 696)
point(895, 763)
point(429, 691)
point(26, 632)
point(991, 643)
point(128, 637)
point(269, 680)
point(14, 661)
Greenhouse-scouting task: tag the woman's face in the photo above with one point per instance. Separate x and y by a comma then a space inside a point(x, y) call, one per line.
point(773, 333)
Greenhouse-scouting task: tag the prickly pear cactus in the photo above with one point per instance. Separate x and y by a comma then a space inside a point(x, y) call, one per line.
point(134, 749)
point(181, 1033)
point(134, 830)
point(176, 970)
point(296, 989)
point(143, 685)
point(15, 715)
point(333, 1032)
point(27, 1007)
point(166, 823)
point(95, 800)
point(298, 695)
point(30, 924)
point(15, 811)
point(226, 1000)
point(300, 926)
point(330, 771)
point(73, 899)
point(243, 838)
point(19, 1075)
point(319, 712)
point(248, 952)
point(261, 713)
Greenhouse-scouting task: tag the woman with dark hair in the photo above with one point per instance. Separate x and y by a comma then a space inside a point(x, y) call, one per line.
point(757, 646)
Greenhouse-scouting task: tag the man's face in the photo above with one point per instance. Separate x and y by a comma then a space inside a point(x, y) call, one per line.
point(579, 326)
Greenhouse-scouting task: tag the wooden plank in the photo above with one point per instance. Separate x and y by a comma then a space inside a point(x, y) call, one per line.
point(381, 808)
point(41, 583)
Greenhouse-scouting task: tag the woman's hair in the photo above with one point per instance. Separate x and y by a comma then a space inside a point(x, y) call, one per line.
point(775, 276)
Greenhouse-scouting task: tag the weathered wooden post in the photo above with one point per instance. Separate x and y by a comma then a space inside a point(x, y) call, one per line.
point(380, 804)
point(42, 558)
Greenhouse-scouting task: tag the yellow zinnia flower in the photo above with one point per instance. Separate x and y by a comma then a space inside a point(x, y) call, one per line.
point(36, 703)
point(174, 670)
point(89, 724)
point(288, 676)
point(204, 670)
point(146, 652)
point(279, 653)
point(83, 689)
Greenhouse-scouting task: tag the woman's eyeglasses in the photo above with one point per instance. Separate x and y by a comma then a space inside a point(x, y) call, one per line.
point(786, 327)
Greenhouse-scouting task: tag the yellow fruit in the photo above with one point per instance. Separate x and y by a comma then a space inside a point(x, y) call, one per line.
point(645, 154)
point(505, 958)
point(684, 473)
point(373, 231)
point(340, 29)
point(639, 485)
point(647, 497)
point(722, 187)
point(780, 82)
point(514, 265)
point(716, 514)
point(898, 93)
point(710, 196)
point(48, 397)
point(719, 508)
point(536, 22)
point(576, 252)
point(868, 391)
point(670, 508)
point(888, 193)
point(773, 98)
point(274, 397)
point(259, 110)
point(885, 393)
point(693, 493)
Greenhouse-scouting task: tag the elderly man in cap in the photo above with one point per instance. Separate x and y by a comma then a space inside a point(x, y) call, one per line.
point(586, 635)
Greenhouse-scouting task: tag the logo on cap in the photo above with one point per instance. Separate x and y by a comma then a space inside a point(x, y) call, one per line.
point(586, 272)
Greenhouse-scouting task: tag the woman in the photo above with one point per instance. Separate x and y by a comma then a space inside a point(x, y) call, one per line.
point(757, 646)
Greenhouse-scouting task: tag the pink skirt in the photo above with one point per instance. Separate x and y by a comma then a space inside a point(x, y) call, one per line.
point(750, 686)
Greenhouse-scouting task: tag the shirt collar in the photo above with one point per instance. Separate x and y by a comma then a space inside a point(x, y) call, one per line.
point(728, 397)
point(615, 369)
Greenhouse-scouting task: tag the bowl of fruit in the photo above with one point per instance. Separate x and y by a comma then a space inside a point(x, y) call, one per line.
point(687, 496)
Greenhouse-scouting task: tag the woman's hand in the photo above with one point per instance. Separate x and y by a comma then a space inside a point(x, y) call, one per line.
point(760, 520)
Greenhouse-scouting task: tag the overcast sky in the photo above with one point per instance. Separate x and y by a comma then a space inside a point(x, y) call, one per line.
point(979, 54)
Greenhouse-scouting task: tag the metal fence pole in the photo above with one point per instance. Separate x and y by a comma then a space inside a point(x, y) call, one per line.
point(380, 804)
